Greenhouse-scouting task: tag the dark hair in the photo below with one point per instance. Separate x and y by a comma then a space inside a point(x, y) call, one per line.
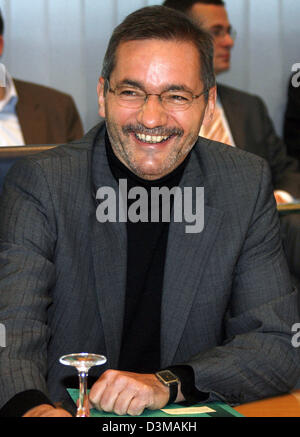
point(159, 22)
point(1, 24)
point(186, 5)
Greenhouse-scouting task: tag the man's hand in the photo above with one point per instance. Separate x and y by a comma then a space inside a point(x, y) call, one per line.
point(128, 393)
point(46, 410)
point(282, 196)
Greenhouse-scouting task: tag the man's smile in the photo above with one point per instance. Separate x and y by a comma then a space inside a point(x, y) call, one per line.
point(152, 139)
point(152, 136)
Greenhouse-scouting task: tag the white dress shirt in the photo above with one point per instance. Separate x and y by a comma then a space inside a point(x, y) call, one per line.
point(10, 129)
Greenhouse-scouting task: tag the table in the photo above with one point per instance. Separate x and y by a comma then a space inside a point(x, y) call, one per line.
point(287, 405)
point(289, 208)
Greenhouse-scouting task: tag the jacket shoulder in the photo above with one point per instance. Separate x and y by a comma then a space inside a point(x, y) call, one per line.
point(225, 91)
point(75, 155)
point(218, 157)
point(37, 91)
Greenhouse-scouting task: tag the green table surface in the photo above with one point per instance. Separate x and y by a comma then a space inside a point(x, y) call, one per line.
point(221, 410)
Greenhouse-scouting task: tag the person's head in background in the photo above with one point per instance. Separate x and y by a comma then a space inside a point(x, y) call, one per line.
point(212, 15)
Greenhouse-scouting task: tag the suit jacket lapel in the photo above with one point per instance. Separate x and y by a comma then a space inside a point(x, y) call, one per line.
point(109, 245)
point(232, 110)
point(185, 262)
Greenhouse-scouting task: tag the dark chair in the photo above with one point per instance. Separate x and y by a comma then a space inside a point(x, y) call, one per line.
point(8, 155)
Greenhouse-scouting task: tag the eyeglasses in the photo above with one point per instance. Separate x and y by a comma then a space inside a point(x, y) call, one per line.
point(135, 98)
point(220, 32)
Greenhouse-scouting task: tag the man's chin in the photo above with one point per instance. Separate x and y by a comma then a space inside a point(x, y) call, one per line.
point(224, 70)
point(149, 172)
point(222, 67)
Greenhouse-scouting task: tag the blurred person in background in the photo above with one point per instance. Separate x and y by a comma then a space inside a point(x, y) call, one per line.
point(34, 114)
point(242, 120)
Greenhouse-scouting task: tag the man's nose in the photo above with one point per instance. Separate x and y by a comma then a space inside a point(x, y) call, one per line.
point(152, 113)
point(227, 40)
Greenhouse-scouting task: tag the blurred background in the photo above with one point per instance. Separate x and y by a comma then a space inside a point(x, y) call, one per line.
point(61, 43)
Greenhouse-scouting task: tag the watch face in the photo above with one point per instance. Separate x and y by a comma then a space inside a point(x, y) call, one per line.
point(168, 376)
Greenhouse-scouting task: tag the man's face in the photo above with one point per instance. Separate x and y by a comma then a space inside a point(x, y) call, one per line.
point(154, 66)
point(215, 20)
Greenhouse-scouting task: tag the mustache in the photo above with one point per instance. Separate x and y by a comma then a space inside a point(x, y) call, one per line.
point(157, 131)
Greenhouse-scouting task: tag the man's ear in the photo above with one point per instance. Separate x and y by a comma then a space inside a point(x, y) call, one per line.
point(210, 107)
point(101, 97)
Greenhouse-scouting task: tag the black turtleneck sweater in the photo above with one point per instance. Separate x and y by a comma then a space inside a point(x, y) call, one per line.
point(146, 253)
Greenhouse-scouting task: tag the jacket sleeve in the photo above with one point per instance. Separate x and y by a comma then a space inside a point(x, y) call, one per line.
point(27, 273)
point(257, 358)
point(284, 168)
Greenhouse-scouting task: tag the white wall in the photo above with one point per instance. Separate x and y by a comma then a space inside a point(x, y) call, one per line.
point(61, 43)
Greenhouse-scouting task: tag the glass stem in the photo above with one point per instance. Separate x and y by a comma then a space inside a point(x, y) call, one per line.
point(83, 401)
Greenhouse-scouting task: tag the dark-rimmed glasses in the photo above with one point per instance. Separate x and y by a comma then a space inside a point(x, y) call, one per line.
point(172, 100)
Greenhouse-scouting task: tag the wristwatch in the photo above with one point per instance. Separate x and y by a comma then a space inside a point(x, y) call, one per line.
point(169, 379)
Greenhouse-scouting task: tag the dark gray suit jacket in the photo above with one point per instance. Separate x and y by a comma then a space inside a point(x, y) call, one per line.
point(253, 131)
point(227, 306)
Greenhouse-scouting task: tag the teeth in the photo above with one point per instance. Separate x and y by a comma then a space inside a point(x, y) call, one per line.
point(151, 138)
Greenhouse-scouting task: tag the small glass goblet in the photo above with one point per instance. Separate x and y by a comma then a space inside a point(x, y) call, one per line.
point(83, 362)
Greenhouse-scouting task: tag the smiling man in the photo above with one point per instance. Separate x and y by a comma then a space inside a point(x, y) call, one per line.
point(153, 138)
point(180, 317)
